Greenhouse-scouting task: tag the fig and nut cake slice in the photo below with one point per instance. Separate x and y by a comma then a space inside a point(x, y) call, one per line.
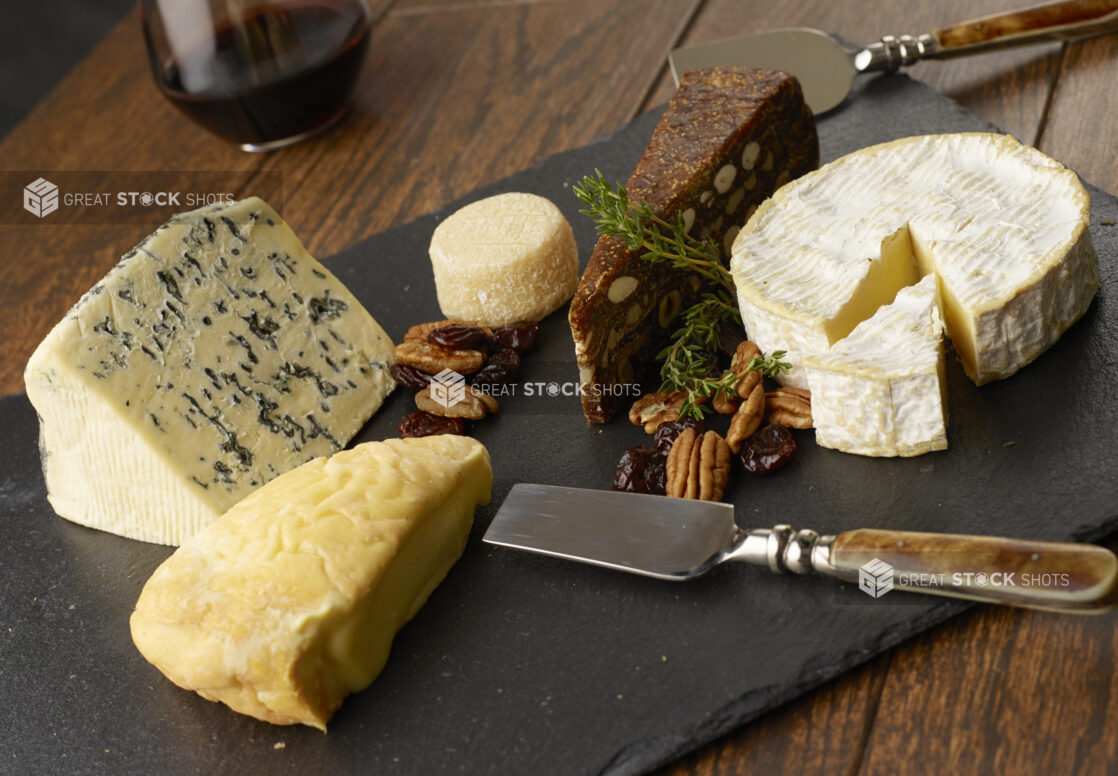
point(729, 138)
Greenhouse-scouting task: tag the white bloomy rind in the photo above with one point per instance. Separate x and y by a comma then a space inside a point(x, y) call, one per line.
point(1001, 225)
point(215, 356)
point(880, 390)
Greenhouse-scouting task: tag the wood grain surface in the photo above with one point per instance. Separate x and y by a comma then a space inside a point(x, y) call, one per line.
point(458, 93)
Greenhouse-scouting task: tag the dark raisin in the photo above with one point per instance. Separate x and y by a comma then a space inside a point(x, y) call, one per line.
point(641, 470)
point(730, 336)
point(410, 376)
point(516, 336)
point(421, 424)
point(768, 450)
point(656, 475)
point(502, 368)
point(459, 336)
point(666, 433)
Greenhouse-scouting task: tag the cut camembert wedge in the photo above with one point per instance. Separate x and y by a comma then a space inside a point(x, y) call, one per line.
point(729, 138)
point(1002, 227)
point(881, 391)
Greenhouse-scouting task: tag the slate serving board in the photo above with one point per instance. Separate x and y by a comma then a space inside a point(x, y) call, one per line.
point(521, 663)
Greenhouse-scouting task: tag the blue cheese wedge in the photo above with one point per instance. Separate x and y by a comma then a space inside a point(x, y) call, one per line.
point(290, 601)
point(215, 356)
point(882, 389)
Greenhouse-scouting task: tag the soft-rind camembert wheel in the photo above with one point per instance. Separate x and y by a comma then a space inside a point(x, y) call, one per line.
point(1002, 226)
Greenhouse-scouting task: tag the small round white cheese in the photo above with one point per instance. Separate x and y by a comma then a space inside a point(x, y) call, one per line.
point(510, 257)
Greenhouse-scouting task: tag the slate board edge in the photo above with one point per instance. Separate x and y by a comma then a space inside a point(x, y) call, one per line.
point(643, 754)
point(650, 117)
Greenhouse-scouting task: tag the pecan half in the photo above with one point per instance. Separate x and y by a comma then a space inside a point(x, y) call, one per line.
point(419, 332)
point(725, 403)
point(434, 359)
point(747, 378)
point(788, 406)
point(698, 466)
point(747, 419)
point(652, 409)
point(474, 405)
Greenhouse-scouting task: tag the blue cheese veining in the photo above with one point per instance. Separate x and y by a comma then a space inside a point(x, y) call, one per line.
point(215, 356)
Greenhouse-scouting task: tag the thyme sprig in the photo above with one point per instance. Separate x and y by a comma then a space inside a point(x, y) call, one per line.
point(642, 230)
point(687, 363)
point(771, 366)
point(686, 366)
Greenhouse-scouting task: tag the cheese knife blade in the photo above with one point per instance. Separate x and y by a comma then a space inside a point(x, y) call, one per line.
point(651, 535)
point(680, 539)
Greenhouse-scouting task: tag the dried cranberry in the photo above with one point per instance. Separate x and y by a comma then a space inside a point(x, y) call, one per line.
point(641, 470)
point(459, 336)
point(410, 376)
point(516, 336)
point(502, 368)
point(421, 424)
point(666, 433)
point(768, 450)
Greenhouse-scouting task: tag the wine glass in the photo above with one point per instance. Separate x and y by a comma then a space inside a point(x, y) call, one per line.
point(261, 74)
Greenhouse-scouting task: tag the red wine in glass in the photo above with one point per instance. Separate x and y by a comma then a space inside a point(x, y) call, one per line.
point(271, 75)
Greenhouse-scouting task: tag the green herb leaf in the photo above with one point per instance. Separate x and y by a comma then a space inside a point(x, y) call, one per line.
point(642, 230)
point(771, 366)
point(686, 368)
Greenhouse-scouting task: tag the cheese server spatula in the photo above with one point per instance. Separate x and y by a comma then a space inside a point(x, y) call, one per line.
point(826, 69)
point(680, 539)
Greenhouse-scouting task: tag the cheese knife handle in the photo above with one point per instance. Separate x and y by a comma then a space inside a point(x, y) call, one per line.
point(1049, 21)
point(1058, 576)
point(1065, 20)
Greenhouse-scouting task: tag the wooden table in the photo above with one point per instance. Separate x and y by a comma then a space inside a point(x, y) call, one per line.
point(458, 93)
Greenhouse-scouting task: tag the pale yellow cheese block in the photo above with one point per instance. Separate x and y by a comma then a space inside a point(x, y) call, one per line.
point(507, 258)
point(290, 600)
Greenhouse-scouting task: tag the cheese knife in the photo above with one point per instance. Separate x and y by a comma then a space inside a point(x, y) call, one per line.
point(680, 539)
point(826, 69)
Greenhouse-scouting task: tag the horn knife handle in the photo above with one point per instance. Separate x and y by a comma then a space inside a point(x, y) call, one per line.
point(1049, 21)
point(1058, 576)
point(1064, 20)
